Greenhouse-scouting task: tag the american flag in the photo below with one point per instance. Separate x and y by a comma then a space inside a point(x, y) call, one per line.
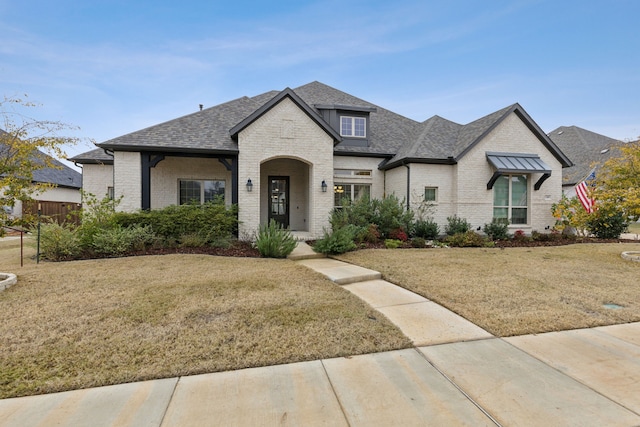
point(584, 192)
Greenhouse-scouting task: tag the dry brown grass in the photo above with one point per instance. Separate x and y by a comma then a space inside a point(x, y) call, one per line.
point(518, 291)
point(91, 323)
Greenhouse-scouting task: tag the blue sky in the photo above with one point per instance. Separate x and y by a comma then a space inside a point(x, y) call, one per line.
point(113, 67)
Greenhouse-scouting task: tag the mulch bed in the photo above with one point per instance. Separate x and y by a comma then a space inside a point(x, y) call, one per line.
point(237, 249)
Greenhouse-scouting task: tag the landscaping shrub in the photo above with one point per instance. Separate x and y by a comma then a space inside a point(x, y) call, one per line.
point(520, 236)
point(118, 240)
point(418, 242)
point(59, 242)
point(274, 241)
point(390, 215)
point(398, 234)
point(369, 234)
point(392, 243)
point(456, 225)
point(427, 229)
point(498, 229)
point(607, 223)
point(212, 220)
point(467, 239)
point(339, 241)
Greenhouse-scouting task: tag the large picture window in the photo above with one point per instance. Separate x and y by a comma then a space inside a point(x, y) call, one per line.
point(200, 191)
point(353, 126)
point(510, 199)
point(349, 191)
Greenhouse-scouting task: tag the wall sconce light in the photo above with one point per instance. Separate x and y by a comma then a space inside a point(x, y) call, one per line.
point(324, 186)
point(249, 185)
point(479, 228)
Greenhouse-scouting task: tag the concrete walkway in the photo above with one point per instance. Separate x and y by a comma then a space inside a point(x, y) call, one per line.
point(458, 374)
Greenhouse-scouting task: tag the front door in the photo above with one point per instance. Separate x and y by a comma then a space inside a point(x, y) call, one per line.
point(279, 200)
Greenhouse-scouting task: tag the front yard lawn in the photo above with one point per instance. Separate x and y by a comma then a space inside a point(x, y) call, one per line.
point(517, 291)
point(90, 323)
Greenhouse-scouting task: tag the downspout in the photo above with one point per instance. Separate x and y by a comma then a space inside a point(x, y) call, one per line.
point(404, 163)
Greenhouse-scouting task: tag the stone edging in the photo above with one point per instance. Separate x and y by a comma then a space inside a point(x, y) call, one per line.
point(631, 255)
point(7, 280)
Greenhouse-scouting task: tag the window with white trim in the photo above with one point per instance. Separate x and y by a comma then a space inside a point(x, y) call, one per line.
point(353, 126)
point(510, 199)
point(431, 194)
point(200, 190)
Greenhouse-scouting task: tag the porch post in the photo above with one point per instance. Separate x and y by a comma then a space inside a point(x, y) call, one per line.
point(146, 181)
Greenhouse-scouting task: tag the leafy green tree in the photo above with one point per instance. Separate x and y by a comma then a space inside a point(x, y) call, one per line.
point(24, 141)
point(618, 182)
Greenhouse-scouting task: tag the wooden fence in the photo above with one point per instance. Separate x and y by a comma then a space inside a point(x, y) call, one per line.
point(57, 211)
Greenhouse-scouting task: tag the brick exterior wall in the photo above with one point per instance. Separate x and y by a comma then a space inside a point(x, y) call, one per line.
point(128, 180)
point(286, 132)
point(471, 199)
point(96, 179)
point(167, 173)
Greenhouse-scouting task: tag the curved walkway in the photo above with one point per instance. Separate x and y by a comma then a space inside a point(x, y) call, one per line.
point(458, 374)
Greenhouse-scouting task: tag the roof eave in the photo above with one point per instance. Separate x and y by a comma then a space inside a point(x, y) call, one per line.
point(420, 160)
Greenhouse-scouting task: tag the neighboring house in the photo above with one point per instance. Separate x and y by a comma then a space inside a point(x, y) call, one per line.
point(56, 202)
point(293, 155)
point(587, 150)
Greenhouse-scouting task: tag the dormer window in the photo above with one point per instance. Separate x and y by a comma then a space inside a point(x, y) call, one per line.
point(354, 127)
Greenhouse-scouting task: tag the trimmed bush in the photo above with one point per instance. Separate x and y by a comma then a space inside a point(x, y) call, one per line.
point(118, 241)
point(427, 229)
point(469, 239)
point(456, 225)
point(607, 223)
point(498, 229)
point(338, 241)
point(418, 242)
point(392, 243)
point(274, 241)
point(212, 220)
point(59, 242)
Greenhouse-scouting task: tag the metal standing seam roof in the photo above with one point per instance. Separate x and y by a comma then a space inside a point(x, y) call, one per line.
point(514, 162)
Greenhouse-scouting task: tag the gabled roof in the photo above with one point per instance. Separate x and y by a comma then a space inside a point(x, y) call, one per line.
point(586, 149)
point(62, 175)
point(443, 141)
point(391, 136)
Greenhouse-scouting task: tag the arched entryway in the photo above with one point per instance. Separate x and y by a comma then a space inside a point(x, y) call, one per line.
point(285, 198)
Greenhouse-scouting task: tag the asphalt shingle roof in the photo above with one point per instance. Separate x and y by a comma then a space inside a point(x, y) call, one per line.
point(96, 156)
point(391, 135)
point(62, 175)
point(586, 150)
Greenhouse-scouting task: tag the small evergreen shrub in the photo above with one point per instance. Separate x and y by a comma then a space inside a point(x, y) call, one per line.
point(607, 223)
point(418, 242)
point(117, 241)
point(468, 239)
point(274, 241)
point(59, 242)
point(392, 243)
point(427, 229)
point(369, 234)
point(456, 225)
point(339, 241)
point(498, 229)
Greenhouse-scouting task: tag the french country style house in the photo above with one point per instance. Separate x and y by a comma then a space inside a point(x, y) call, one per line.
point(294, 155)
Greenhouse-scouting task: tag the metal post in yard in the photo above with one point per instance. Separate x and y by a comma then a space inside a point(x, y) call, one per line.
point(38, 249)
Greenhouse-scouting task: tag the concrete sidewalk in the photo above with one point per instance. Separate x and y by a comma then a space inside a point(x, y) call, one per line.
point(458, 374)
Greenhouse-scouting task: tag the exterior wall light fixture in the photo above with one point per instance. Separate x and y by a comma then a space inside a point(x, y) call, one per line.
point(324, 186)
point(249, 185)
